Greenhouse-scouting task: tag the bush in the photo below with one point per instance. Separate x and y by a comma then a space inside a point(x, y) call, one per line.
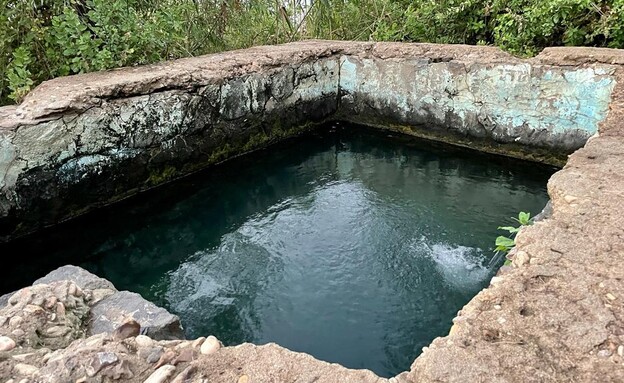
point(42, 39)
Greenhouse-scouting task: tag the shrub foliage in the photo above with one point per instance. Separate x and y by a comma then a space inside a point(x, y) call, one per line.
point(42, 39)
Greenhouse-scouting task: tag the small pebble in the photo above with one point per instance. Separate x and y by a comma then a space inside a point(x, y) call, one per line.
point(101, 360)
point(23, 357)
point(162, 374)
point(25, 369)
point(72, 289)
point(50, 302)
point(186, 355)
point(620, 350)
point(143, 341)
point(96, 341)
point(604, 353)
point(14, 299)
point(165, 358)
point(60, 309)
point(37, 300)
point(243, 379)
point(198, 342)
point(15, 321)
point(6, 343)
point(570, 198)
point(210, 345)
point(47, 357)
point(610, 297)
point(495, 280)
point(33, 309)
point(79, 292)
point(521, 258)
point(57, 331)
point(151, 354)
point(497, 307)
point(182, 345)
point(127, 329)
point(185, 375)
point(18, 333)
point(534, 261)
point(453, 329)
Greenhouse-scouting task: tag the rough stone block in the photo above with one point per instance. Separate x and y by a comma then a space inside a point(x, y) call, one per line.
point(78, 275)
point(112, 311)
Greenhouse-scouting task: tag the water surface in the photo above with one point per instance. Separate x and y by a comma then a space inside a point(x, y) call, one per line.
point(350, 245)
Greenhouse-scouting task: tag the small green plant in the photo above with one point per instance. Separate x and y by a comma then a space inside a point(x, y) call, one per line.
point(504, 244)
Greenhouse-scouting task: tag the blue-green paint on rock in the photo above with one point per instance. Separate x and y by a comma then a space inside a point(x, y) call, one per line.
point(506, 99)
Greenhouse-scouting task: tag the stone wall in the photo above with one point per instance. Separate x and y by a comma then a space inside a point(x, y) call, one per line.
point(80, 142)
point(530, 106)
point(79, 159)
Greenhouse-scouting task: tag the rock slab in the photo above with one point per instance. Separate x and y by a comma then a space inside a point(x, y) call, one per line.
point(80, 276)
point(112, 311)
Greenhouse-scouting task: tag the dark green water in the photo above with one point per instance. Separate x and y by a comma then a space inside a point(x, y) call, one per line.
point(348, 245)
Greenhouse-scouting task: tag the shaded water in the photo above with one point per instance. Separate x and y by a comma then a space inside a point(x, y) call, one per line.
point(350, 246)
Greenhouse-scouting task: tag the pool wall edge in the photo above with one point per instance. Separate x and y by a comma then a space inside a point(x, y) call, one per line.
point(120, 132)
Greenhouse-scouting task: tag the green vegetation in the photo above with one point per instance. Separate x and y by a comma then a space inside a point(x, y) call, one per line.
point(42, 39)
point(505, 244)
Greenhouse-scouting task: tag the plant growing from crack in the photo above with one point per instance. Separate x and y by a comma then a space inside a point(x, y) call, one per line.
point(504, 244)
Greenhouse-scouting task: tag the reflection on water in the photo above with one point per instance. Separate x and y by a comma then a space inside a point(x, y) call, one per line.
point(346, 245)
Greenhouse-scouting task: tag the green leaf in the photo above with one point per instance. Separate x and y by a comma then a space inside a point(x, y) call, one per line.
point(505, 242)
point(510, 229)
point(524, 218)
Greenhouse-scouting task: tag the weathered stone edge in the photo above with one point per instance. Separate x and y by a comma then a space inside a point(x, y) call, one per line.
point(69, 94)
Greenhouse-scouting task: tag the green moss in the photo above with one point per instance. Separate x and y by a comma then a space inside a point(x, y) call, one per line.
point(256, 141)
point(542, 155)
point(160, 176)
point(220, 154)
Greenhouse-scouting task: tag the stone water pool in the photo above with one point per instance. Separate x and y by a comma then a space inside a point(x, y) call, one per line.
point(352, 245)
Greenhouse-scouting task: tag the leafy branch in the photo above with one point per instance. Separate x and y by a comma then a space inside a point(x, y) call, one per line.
point(504, 244)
